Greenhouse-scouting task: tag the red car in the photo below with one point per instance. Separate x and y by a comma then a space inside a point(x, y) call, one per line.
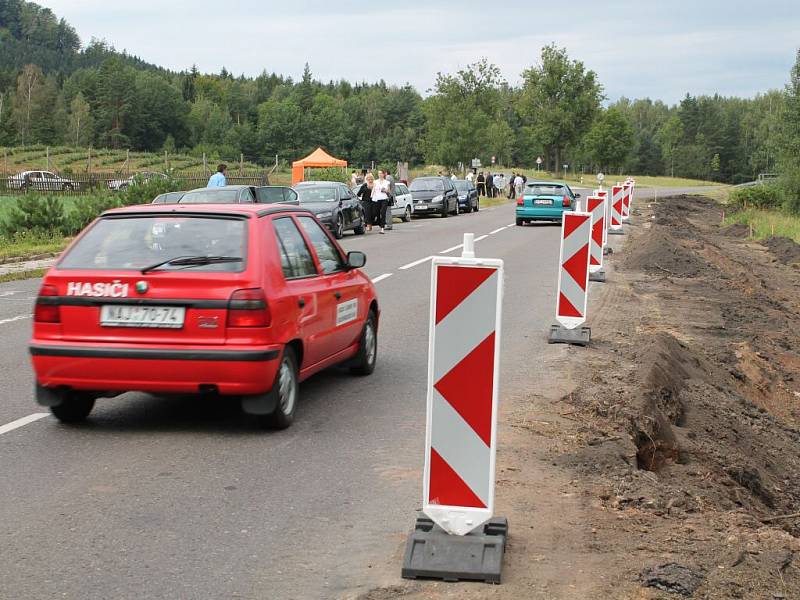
point(239, 300)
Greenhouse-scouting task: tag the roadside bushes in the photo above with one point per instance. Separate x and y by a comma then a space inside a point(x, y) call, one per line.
point(758, 196)
point(37, 214)
point(329, 174)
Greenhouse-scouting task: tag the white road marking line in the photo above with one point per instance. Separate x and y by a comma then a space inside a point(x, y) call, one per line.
point(381, 277)
point(22, 422)
point(512, 225)
point(415, 263)
point(9, 293)
point(498, 230)
point(12, 319)
point(451, 249)
point(483, 237)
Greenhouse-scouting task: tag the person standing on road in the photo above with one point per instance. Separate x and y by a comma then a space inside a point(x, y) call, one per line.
point(481, 185)
point(490, 185)
point(499, 183)
point(391, 201)
point(219, 179)
point(518, 183)
point(471, 176)
point(510, 194)
point(364, 194)
point(380, 199)
point(353, 179)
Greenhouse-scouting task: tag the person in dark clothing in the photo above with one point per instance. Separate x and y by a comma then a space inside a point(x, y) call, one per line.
point(481, 184)
point(490, 185)
point(511, 186)
point(365, 195)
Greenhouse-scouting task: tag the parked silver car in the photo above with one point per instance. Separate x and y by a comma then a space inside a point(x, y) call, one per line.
point(42, 181)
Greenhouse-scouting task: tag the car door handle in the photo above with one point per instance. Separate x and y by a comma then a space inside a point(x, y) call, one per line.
point(301, 302)
point(338, 295)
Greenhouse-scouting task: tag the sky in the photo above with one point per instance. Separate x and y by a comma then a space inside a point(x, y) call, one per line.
point(660, 49)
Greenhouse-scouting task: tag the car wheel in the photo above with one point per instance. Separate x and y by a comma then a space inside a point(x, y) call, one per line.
point(477, 205)
point(285, 391)
point(445, 210)
point(338, 232)
point(407, 214)
point(74, 407)
point(520, 222)
point(364, 362)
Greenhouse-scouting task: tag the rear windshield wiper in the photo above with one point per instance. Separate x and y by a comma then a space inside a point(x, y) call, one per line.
point(192, 261)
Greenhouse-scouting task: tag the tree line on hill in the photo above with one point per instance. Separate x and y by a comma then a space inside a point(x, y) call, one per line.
point(53, 91)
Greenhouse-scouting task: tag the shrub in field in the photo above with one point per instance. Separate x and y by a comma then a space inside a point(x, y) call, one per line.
point(144, 193)
point(329, 174)
point(86, 209)
point(790, 184)
point(758, 196)
point(34, 213)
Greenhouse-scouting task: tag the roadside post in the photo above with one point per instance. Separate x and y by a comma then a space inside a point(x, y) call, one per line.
point(597, 207)
point(617, 192)
point(458, 539)
point(573, 281)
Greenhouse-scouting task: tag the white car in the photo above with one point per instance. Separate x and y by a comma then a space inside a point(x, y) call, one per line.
point(403, 202)
point(41, 180)
point(121, 184)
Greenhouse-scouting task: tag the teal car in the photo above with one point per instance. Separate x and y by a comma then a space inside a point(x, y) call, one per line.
point(544, 201)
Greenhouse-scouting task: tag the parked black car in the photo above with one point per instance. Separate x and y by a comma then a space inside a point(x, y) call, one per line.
point(434, 196)
point(232, 194)
point(467, 195)
point(334, 204)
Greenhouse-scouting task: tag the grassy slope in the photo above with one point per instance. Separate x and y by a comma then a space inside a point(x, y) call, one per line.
point(767, 223)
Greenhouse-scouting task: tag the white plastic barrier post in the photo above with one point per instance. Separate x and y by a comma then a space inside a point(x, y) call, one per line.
point(601, 193)
point(597, 207)
point(573, 280)
point(627, 192)
point(463, 363)
point(615, 225)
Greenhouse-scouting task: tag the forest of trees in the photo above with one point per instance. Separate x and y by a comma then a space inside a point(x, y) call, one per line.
point(55, 91)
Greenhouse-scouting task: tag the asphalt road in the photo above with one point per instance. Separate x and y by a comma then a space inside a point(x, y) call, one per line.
point(180, 498)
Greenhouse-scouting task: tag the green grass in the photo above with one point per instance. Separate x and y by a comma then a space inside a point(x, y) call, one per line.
point(489, 202)
point(767, 223)
point(30, 244)
point(20, 275)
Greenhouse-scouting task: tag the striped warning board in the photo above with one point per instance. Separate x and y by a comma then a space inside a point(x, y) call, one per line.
point(617, 193)
point(573, 276)
point(597, 207)
point(627, 195)
point(458, 483)
point(604, 195)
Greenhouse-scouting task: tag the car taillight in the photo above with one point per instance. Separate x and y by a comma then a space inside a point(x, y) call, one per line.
point(248, 308)
point(520, 201)
point(565, 201)
point(47, 309)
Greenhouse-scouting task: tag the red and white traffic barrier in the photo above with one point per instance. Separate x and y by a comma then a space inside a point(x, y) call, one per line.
point(573, 280)
point(601, 193)
point(597, 207)
point(460, 446)
point(615, 225)
point(627, 195)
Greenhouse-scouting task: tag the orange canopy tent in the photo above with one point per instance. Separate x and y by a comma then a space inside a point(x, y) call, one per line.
point(319, 159)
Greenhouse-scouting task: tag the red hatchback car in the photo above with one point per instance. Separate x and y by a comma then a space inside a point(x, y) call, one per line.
point(239, 300)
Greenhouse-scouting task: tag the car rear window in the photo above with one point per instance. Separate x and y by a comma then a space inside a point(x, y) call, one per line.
point(315, 193)
point(210, 196)
point(535, 189)
point(136, 242)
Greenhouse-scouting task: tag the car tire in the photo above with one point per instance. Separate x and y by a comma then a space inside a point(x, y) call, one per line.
point(364, 362)
point(338, 231)
point(520, 222)
point(74, 407)
point(445, 210)
point(477, 205)
point(407, 214)
point(285, 391)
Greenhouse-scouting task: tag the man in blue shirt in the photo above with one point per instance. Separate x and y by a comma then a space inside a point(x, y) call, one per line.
point(218, 178)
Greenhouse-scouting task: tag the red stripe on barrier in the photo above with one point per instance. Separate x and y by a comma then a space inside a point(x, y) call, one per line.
point(447, 488)
point(572, 224)
point(566, 309)
point(454, 285)
point(468, 388)
point(576, 266)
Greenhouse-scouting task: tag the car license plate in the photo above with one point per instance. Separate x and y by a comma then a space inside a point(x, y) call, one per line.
point(543, 202)
point(421, 207)
point(125, 315)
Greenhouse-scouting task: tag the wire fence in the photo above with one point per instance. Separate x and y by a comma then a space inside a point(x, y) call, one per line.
point(48, 182)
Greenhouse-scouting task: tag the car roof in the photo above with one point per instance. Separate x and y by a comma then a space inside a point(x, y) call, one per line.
point(546, 183)
point(225, 187)
point(244, 210)
point(312, 183)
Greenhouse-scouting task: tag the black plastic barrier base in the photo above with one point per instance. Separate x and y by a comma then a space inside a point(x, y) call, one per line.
point(580, 336)
point(598, 276)
point(432, 553)
point(607, 250)
point(616, 232)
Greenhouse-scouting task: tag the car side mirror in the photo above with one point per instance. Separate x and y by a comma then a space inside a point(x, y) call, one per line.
point(356, 259)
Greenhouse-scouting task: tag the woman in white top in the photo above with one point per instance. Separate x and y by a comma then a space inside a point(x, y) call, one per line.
point(380, 199)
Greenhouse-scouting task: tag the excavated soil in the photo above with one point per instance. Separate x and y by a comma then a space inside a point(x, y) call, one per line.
point(691, 401)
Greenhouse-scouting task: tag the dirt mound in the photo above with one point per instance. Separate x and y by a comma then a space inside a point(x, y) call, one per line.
point(739, 230)
point(661, 253)
point(784, 249)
